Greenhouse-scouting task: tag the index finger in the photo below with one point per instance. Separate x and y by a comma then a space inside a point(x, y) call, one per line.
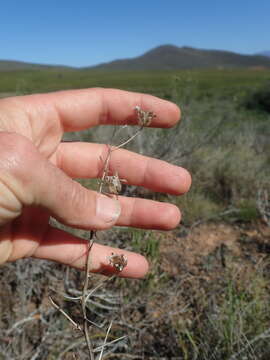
point(81, 109)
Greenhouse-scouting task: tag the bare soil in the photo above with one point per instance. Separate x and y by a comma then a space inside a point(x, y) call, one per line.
point(245, 243)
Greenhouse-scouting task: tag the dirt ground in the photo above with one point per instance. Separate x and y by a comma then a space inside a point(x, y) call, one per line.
point(244, 243)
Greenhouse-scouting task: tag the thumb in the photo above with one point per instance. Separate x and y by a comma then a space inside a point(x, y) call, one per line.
point(28, 178)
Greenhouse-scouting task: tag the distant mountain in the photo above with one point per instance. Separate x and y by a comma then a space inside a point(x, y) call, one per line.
point(10, 65)
point(170, 57)
point(264, 53)
point(165, 57)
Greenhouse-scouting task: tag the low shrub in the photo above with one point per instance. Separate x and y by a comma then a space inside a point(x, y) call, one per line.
point(259, 99)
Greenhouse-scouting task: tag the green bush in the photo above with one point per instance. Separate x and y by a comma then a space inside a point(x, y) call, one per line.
point(258, 99)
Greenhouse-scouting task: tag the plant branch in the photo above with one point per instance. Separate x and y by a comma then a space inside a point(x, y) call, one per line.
point(83, 303)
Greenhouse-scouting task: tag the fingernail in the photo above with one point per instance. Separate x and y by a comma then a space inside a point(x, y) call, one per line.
point(108, 209)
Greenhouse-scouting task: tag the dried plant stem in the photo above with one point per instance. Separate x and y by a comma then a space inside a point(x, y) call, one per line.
point(105, 341)
point(85, 296)
point(128, 140)
point(105, 168)
point(57, 307)
point(83, 303)
point(98, 286)
point(118, 261)
point(110, 343)
point(108, 157)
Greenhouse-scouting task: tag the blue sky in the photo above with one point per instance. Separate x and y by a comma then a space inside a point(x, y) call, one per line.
point(81, 32)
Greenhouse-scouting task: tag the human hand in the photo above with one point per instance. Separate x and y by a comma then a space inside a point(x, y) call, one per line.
point(36, 172)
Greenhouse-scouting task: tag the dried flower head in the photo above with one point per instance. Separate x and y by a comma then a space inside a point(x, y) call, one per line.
point(144, 117)
point(114, 183)
point(118, 261)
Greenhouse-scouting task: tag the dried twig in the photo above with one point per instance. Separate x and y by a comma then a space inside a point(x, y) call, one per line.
point(83, 303)
point(105, 341)
point(110, 343)
point(57, 307)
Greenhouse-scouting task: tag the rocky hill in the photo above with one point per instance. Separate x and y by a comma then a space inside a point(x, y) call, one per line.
point(170, 57)
point(165, 57)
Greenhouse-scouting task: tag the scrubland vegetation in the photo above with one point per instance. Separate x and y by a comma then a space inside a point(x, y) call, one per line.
point(207, 294)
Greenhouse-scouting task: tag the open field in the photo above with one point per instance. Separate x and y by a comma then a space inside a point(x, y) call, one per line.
point(156, 82)
point(208, 292)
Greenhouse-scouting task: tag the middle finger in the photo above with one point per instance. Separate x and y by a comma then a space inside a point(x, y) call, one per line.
point(86, 160)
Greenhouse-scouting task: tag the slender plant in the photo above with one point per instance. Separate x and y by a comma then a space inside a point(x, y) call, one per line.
point(110, 185)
